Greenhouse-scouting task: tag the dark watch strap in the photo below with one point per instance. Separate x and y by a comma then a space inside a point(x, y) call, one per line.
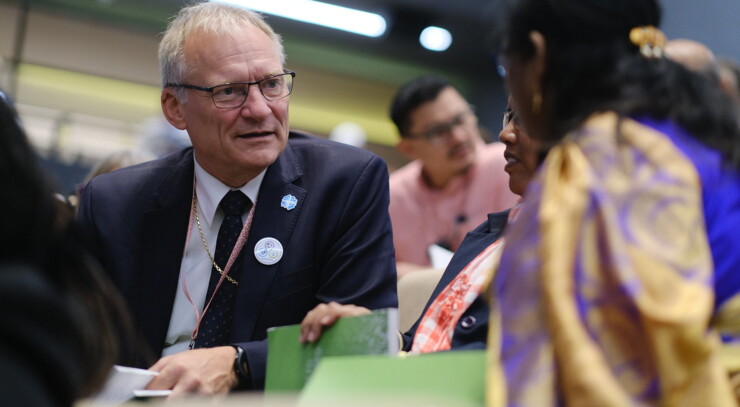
point(241, 368)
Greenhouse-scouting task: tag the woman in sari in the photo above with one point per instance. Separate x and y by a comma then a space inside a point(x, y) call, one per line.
point(621, 271)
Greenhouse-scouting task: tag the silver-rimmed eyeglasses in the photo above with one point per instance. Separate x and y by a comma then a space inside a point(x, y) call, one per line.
point(234, 94)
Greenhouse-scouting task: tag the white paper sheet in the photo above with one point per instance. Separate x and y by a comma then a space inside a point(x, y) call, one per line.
point(123, 384)
point(440, 256)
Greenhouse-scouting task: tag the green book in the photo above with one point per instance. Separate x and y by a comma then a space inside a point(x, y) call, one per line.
point(451, 379)
point(290, 363)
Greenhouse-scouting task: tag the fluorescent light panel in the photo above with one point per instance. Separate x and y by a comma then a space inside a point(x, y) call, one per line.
point(314, 12)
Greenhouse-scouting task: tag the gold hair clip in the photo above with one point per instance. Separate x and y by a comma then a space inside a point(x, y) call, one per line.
point(649, 39)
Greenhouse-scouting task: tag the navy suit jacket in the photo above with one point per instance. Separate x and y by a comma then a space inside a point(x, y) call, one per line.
point(471, 331)
point(337, 241)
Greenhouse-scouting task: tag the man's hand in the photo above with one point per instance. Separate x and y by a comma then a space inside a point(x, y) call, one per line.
point(325, 315)
point(201, 371)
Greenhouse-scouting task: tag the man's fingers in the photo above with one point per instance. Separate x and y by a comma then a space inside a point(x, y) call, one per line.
point(311, 323)
point(160, 365)
point(327, 320)
point(164, 381)
point(325, 315)
point(187, 385)
point(202, 371)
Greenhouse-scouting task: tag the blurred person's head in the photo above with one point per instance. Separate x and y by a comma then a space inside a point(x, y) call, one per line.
point(694, 56)
point(224, 82)
point(520, 154)
point(118, 160)
point(160, 138)
point(33, 236)
point(437, 126)
point(569, 59)
point(698, 58)
point(111, 162)
point(25, 191)
point(729, 78)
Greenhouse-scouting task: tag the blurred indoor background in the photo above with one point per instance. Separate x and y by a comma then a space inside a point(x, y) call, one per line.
point(85, 78)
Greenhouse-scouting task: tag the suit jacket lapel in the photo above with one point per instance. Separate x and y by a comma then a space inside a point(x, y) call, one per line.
point(270, 220)
point(163, 242)
point(474, 243)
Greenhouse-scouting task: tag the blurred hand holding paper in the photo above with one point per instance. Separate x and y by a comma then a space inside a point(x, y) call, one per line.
point(122, 385)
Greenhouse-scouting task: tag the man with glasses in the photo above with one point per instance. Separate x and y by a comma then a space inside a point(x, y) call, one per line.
point(251, 227)
point(454, 180)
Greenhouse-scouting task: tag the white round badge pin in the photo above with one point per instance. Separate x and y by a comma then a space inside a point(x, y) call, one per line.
point(268, 251)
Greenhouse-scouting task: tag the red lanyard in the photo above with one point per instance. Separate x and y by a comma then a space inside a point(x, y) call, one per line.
point(232, 258)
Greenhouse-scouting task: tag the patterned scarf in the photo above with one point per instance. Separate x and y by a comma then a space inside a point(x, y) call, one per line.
point(604, 292)
point(436, 328)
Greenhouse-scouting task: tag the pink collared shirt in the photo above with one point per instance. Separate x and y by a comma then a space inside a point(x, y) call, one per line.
point(422, 216)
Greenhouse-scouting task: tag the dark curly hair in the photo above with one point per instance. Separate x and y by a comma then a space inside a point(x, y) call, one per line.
point(413, 94)
point(592, 67)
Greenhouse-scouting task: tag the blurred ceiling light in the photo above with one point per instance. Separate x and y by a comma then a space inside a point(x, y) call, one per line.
point(314, 12)
point(435, 38)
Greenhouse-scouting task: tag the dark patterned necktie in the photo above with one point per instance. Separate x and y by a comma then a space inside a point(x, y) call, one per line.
point(216, 324)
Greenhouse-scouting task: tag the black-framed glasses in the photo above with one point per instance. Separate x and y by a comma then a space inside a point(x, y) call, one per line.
point(234, 94)
point(440, 133)
point(509, 116)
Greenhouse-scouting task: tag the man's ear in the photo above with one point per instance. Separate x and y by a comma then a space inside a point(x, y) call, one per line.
point(540, 55)
point(407, 148)
point(172, 109)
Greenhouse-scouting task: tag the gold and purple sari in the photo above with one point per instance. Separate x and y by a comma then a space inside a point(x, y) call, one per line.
point(605, 293)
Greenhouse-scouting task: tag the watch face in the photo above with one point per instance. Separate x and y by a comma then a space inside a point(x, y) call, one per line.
point(241, 367)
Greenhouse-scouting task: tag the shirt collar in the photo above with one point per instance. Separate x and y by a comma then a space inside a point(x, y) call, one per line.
point(210, 191)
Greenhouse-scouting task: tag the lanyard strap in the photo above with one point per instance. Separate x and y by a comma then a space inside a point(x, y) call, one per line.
point(232, 258)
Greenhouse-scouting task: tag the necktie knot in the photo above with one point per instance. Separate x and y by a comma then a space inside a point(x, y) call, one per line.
point(234, 203)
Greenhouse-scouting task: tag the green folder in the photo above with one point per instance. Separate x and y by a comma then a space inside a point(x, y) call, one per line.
point(455, 378)
point(290, 363)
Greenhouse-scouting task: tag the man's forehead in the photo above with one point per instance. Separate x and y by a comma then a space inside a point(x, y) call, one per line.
point(245, 34)
point(448, 104)
point(210, 50)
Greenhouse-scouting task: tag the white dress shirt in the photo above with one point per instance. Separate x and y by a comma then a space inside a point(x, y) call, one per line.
point(195, 269)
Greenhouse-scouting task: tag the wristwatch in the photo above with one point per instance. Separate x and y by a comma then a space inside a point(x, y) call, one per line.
point(241, 368)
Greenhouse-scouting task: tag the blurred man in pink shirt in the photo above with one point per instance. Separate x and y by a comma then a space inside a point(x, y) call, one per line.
point(454, 180)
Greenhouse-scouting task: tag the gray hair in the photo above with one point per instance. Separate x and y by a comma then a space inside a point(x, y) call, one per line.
point(209, 17)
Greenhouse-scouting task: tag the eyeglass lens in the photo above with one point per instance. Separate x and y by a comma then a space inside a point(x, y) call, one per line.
point(234, 94)
point(443, 130)
point(510, 115)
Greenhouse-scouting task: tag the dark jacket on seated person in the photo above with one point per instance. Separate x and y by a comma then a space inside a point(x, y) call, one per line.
point(471, 331)
point(338, 244)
